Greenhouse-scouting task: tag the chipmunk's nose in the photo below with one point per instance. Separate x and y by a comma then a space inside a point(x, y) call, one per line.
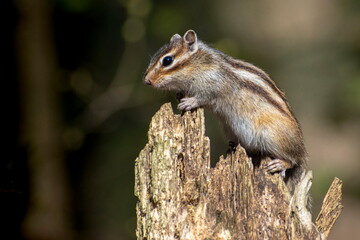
point(147, 81)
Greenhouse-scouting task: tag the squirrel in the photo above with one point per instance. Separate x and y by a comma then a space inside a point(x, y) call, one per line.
point(253, 110)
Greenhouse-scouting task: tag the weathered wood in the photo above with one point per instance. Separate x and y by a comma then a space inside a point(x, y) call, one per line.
point(330, 209)
point(181, 197)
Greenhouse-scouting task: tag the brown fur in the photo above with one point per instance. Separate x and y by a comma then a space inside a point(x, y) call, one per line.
point(253, 110)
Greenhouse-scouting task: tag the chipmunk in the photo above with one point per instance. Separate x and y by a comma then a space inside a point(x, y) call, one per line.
point(253, 110)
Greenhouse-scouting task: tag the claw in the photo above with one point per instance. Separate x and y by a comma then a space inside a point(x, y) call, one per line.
point(282, 173)
point(188, 103)
point(278, 165)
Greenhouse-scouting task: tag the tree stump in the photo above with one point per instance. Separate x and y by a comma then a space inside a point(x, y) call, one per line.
point(181, 197)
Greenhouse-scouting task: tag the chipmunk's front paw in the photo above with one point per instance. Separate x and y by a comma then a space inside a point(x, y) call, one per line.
point(188, 103)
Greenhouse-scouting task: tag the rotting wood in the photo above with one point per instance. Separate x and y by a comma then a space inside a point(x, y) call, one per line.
point(331, 208)
point(181, 197)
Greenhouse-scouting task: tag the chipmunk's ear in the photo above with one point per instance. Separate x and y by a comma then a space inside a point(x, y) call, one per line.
point(190, 40)
point(175, 37)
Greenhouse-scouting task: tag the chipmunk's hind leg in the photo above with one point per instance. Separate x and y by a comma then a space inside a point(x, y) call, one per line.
point(278, 165)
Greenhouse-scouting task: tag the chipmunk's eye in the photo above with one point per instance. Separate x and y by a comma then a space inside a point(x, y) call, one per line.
point(167, 61)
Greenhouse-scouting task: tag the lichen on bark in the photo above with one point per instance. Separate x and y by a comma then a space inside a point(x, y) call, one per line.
point(181, 197)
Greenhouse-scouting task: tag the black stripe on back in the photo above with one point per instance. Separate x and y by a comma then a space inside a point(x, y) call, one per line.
point(252, 69)
point(261, 92)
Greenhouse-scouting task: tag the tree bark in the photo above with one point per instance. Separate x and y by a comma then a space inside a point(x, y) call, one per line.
point(181, 197)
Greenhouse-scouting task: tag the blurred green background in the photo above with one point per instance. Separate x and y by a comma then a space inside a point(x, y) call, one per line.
point(77, 113)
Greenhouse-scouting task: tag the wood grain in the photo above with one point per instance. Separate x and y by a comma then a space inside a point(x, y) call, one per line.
point(181, 197)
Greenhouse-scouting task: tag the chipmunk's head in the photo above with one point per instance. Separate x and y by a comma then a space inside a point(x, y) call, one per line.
point(171, 66)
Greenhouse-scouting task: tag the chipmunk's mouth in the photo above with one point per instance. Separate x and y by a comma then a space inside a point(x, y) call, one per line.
point(152, 83)
point(147, 82)
point(163, 84)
